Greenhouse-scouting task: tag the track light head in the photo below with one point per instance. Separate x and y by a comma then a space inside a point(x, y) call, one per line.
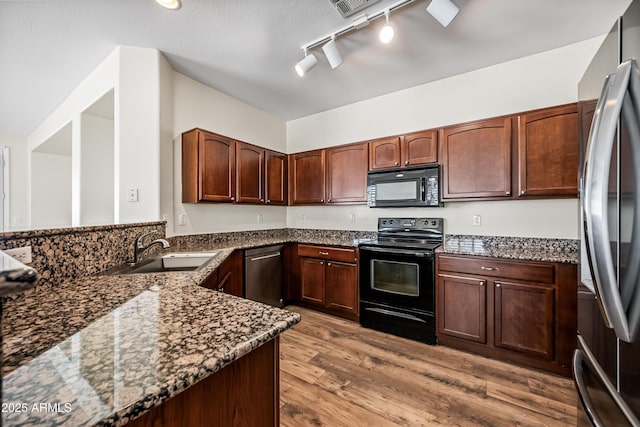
point(332, 53)
point(443, 10)
point(386, 33)
point(306, 64)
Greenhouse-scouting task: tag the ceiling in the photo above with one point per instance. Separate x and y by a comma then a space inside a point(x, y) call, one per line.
point(247, 48)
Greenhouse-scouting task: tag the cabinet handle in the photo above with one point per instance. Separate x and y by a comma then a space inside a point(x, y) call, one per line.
point(396, 163)
point(489, 268)
point(324, 253)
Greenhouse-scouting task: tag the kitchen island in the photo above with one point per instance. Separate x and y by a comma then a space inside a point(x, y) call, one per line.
point(105, 350)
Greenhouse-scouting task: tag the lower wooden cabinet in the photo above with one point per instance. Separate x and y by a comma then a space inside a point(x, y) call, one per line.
point(519, 311)
point(327, 282)
point(228, 277)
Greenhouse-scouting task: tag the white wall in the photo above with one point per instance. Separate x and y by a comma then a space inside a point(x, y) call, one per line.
point(196, 105)
point(96, 173)
point(18, 179)
point(51, 196)
point(541, 80)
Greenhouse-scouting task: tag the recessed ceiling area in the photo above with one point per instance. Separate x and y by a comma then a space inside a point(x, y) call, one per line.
point(248, 48)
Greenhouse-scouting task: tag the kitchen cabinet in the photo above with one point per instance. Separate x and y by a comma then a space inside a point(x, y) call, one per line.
point(518, 311)
point(307, 180)
point(262, 175)
point(228, 277)
point(208, 167)
point(407, 150)
point(336, 175)
point(275, 181)
point(328, 278)
point(475, 160)
point(347, 168)
point(548, 152)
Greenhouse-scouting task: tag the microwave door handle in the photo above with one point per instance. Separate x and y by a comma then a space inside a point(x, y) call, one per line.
point(423, 189)
point(599, 150)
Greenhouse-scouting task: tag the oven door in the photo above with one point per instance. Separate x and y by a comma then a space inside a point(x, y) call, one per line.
point(397, 277)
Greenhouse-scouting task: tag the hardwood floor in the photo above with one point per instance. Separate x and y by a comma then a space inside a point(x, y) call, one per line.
point(335, 373)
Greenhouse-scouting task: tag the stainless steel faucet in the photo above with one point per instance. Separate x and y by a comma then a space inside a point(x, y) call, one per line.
point(140, 248)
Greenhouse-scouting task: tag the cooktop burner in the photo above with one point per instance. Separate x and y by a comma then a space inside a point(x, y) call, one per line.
point(415, 233)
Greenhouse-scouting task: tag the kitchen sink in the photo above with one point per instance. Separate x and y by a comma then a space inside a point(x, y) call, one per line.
point(174, 261)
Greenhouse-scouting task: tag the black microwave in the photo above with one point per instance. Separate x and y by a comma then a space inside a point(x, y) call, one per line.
point(404, 188)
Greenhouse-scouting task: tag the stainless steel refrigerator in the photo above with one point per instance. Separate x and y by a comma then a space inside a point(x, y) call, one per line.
point(606, 364)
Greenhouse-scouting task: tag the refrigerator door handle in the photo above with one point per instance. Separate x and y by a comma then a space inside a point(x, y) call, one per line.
point(596, 193)
point(581, 356)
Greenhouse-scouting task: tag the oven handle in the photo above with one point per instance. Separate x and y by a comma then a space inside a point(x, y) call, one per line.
point(397, 251)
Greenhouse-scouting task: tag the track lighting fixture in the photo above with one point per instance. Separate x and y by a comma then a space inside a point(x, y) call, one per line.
point(443, 10)
point(306, 64)
point(170, 4)
point(386, 33)
point(332, 53)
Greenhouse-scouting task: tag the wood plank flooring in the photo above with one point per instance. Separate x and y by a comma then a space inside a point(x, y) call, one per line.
point(333, 372)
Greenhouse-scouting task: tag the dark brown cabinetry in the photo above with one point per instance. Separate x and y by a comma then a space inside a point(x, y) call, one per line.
point(228, 277)
point(524, 312)
point(347, 168)
point(407, 150)
point(275, 178)
point(328, 278)
point(476, 160)
point(307, 179)
point(548, 152)
point(262, 175)
point(208, 167)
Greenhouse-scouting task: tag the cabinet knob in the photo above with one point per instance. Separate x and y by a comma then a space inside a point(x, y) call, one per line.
point(498, 285)
point(328, 200)
point(406, 163)
point(262, 200)
point(396, 163)
point(328, 264)
point(508, 193)
point(322, 200)
point(321, 262)
point(482, 283)
point(233, 198)
point(522, 192)
point(268, 201)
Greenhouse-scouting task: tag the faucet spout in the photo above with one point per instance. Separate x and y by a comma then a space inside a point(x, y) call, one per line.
point(141, 248)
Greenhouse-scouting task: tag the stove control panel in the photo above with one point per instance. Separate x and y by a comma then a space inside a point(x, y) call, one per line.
point(409, 224)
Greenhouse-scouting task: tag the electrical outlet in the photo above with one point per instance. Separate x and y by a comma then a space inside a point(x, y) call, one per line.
point(182, 219)
point(477, 220)
point(352, 218)
point(21, 254)
point(133, 195)
point(260, 218)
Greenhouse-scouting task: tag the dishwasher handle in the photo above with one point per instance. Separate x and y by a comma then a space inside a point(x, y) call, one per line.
point(259, 258)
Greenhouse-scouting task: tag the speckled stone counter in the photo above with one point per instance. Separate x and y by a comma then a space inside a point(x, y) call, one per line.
point(531, 249)
point(102, 350)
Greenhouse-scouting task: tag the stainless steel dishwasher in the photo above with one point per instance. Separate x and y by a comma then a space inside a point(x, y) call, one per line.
point(263, 274)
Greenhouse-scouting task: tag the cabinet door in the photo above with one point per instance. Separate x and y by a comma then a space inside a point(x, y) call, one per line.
point(307, 180)
point(524, 318)
point(275, 178)
point(216, 174)
point(347, 168)
point(476, 160)
point(384, 153)
point(462, 306)
point(230, 275)
point(312, 279)
point(548, 152)
point(420, 148)
point(342, 286)
point(250, 172)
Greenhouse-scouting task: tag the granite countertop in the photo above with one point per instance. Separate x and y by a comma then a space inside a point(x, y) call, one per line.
point(520, 248)
point(105, 349)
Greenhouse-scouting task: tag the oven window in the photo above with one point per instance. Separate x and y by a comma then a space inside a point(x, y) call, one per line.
point(395, 277)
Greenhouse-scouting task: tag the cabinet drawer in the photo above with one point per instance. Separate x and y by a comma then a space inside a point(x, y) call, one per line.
point(498, 268)
point(327, 252)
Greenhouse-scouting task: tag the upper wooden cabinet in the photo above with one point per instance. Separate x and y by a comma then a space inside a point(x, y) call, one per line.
point(407, 150)
point(347, 168)
point(476, 160)
point(262, 175)
point(275, 178)
point(208, 167)
point(307, 180)
point(548, 152)
point(250, 163)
